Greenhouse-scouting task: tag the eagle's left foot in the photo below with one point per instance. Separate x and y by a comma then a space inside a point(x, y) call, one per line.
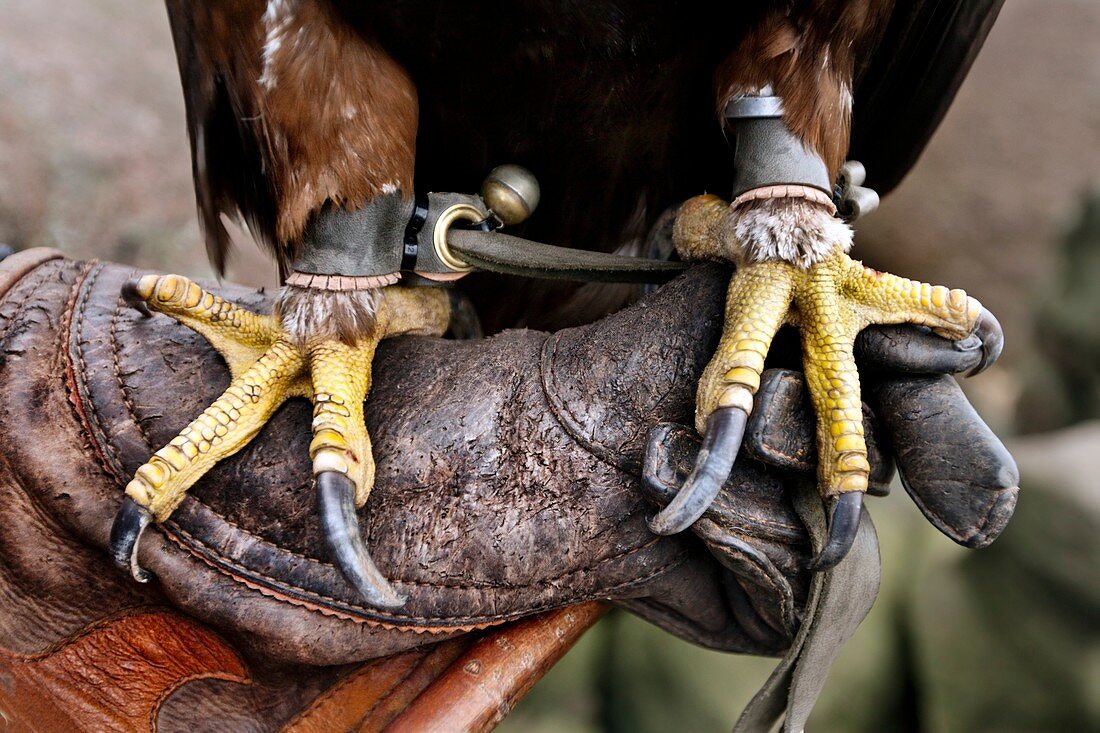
point(830, 301)
point(269, 365)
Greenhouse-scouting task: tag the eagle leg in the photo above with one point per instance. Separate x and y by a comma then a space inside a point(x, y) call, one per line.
point(269, 366)
point(830, 300)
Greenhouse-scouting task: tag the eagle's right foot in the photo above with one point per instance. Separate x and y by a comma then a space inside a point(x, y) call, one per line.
point(268, 366)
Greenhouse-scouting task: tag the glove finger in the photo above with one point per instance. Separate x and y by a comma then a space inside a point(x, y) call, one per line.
point(956, 470)
point(751, 528)
point(781, 433)
point(752, 498)
point(916, 350)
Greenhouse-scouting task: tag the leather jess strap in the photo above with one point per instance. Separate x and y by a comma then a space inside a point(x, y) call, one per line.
point(839, 600)
point(510, 255)
point(344, 248)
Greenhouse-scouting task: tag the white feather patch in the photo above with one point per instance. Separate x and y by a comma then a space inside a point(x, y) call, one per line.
point(277, 21)
point(788, 230)
point(846, 97)
point(309, 314)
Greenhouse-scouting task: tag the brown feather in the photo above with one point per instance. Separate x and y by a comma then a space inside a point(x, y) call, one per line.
point(808, 54)
point(313, 314)
point(292, 104)
point(339, 113)
point(215, 46)
point(288, 108)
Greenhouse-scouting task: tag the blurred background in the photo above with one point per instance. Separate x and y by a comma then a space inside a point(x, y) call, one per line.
point(1005, 203)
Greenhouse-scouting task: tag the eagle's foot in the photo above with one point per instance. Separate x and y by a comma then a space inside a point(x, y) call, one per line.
point(830, 302)
point(268, 366)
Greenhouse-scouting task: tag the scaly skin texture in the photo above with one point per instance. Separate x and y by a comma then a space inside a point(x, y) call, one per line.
point(830, 302)
point(268, 368)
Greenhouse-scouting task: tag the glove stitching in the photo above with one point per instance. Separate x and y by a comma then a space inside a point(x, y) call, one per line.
point(93, 421)
point(116, 366)
point(342, 609)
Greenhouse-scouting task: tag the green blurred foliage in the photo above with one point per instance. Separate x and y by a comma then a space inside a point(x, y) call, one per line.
point(1062, 381)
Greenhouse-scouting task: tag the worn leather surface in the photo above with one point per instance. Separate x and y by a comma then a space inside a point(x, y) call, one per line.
point(373, 695)
point(969, 487)
point(496, 672)
point(507, 484)
point(507, 478)
point(767, 152)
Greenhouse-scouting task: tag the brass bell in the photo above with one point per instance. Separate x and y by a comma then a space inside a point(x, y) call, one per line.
point(511, 192)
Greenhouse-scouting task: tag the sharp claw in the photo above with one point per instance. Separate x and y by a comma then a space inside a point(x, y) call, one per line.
point(336, 498)
point(992, 338)
point(842, 531)
point(129, 524)
point(131, 296)
point(725, 429)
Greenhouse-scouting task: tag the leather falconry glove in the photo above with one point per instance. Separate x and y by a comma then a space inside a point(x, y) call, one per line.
point(509, 475)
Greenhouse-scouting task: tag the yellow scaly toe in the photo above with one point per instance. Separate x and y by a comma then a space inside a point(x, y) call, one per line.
point(269, 367)
point(830, 302)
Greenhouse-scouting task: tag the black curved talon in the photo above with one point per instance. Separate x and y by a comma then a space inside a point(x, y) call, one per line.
point(992, 338)
point(843, 525)
point(336, 500)
point(129, 524)
point(725, 429)
point(133, 299)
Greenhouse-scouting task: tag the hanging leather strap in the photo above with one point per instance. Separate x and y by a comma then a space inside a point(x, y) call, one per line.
point(839, 600)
